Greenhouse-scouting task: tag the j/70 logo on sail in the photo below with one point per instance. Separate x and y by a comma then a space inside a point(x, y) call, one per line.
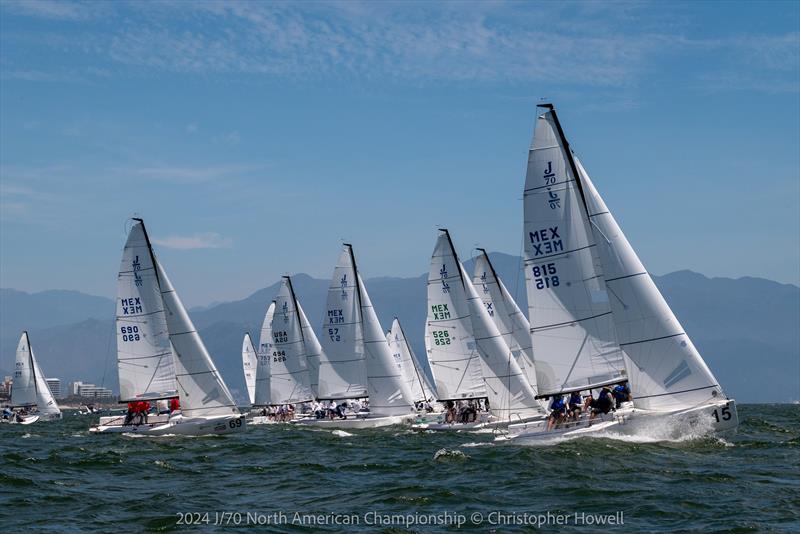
point(546, 241)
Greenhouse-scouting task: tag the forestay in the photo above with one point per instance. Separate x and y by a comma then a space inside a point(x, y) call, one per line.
point(289, 380)
point(410, 367)
point(572, 331)
point(250, 365)
point(144, 357)
point(389, 393)
point(452, 352)
point(666, 371)
point(202, 391)
point(505, 313)
point(342, 371)
point(263, 393)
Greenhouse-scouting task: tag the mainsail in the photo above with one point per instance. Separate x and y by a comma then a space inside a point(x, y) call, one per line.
point(263, 394)
point(342, 370)
point(289, 380)
point(410, 367)
point(572, 330)
point(144, 357)
point(505, 313)
point(250, 365)
point(23, 392)
point(452, 352)
point(202, 391)
point(665, 369)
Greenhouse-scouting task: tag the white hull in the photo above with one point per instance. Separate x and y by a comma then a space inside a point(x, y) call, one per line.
point(228, 424)
point(720, 417)
point(27, 420)
point(485, 422)
point(357, 422)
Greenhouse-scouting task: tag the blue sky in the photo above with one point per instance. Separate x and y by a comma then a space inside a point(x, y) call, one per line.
point(254, 137)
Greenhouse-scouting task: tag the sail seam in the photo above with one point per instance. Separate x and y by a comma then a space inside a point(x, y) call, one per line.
point(623, 277)
point(652, 339)
point(540, 258)
point(535, 328)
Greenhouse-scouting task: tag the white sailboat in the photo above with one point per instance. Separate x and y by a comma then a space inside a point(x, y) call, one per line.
point(30, 393)
point(507, 317)
point(261, 376)
point(468, 356)
point(411, 369)
point(356, 361)
point(596, 316)
point(160, 355)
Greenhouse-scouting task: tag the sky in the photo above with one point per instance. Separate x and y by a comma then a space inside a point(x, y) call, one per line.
point(254, 138)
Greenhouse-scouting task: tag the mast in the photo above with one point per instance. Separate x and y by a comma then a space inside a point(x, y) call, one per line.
point(149, 248)
point(296, 309)
point(30, 362)
point(455, 255)
point(573, 167)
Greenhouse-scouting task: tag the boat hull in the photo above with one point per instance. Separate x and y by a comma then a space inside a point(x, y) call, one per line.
point(357, 422)
point(179, 426)
point(714, 418)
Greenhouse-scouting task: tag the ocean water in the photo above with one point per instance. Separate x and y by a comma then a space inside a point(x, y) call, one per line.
point(56, 477)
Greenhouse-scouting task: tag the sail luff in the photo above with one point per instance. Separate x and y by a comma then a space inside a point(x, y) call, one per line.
point(250, 365)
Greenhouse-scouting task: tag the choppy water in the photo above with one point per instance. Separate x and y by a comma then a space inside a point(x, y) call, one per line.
point(57, 478)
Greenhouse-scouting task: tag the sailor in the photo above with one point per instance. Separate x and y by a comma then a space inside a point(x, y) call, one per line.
point(174, 405)
point(557, 411)
point(130, 414)
point(603, 403)
point(622, 393)
point(7, 413)
point(575, 405)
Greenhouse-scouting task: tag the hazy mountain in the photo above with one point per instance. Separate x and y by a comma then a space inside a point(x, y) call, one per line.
point(747, 328)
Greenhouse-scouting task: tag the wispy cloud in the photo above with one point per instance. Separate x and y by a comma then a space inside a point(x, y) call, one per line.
point(196, 241)
point(190, 175)
point(54, 9)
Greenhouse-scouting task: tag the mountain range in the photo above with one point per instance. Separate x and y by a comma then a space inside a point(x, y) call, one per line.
point(747, 329)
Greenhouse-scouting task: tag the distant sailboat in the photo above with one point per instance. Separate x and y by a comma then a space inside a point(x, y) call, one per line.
point(356, 361)
point(30, 391)
point(411, 369)
point(160, 354)
point(250, 365)
point(507, 317)
point(468, 356)
point(597, 319)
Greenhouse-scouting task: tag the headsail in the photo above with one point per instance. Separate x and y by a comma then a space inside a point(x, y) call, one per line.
point(414, 374)
point(202, 391)
point(289, 380)
point(666, 371)
point(572, 330)
point(388, 391)
point(45, 402)
point(342, 371)
point(144, 357)
point(250, 365)
point(263, 394)
point(313, 350)
point(507, 317)
point(23, 392)
point(452, 352)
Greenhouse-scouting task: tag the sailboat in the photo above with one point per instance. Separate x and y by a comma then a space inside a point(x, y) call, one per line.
point(260, 398)
point(418, 383)
point(507, 317)
point(597, 318)
point(468, 356)
point(160, 354)
point(30, 392)
point(356, 361)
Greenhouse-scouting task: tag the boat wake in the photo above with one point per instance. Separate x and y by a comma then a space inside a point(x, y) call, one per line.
point(341, 433)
